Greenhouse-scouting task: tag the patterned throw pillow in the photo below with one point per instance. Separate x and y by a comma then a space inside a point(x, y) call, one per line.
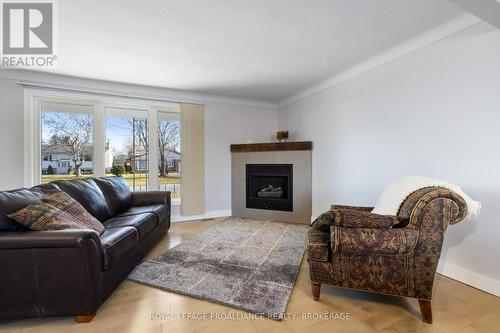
point(56, 211)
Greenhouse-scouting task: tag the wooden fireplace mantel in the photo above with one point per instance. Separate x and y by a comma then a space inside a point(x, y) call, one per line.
point(271, 146)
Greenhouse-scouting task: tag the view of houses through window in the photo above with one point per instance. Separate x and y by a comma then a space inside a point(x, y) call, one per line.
point(67, 145)
point(169, 152)
point(127, 140)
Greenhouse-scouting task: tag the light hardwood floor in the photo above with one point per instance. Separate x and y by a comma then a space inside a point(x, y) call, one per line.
point(456, 308)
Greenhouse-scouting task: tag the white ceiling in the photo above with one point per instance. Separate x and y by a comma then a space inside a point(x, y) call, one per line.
point(264, 50)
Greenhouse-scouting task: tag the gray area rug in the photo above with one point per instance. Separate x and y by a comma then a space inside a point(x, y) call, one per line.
point(246, 264)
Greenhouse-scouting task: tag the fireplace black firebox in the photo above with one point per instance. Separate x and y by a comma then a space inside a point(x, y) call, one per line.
point(270, 186)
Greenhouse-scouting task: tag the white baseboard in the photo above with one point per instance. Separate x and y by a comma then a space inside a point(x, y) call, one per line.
point(470, 278)
point(207, 215)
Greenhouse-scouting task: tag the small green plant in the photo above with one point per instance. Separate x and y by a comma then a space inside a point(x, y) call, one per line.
point(71, 170)
point(118, 170)
point(50, 170)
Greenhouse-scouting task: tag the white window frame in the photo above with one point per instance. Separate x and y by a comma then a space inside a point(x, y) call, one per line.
point(32, 128)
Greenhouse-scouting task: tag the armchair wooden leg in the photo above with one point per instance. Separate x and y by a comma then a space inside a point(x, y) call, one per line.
point(426, 310)
point(315, 288)
point(82, 319)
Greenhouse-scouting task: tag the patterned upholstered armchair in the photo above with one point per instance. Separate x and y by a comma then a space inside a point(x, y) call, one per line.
point(352, 248)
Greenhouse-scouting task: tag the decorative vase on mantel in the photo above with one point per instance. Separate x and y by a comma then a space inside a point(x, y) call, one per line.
point(282, 136)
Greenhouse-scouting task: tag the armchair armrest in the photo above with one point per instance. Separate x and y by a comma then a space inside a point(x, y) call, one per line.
point(455, 204)
point(364, 219)
point(150, 198)
point(345, 207)
point(353, 219)
point(318, 245)
point(373, 240)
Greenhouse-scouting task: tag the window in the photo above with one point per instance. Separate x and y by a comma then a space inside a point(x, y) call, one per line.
point(73, 135)
point(169, 152)
point(66, 141)
point(127, 143)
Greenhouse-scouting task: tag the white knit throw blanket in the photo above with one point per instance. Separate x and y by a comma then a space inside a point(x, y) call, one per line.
point(401, 188)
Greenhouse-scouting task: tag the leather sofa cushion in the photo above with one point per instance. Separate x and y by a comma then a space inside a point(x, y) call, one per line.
point(144, 223)
point(47, 188)
point(88, 194)
point(117, 193)
point(161, 211)
point(116, 244)
point(12, 201)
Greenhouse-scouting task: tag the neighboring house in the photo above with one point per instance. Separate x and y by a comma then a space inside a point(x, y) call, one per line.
point(120, 159)
point(141, 160)
point(61, 160)
point(173, 161)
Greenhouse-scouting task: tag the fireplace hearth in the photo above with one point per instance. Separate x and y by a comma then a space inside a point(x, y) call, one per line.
point(269, 186)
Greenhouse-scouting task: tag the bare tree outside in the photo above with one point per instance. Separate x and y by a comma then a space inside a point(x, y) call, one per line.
point(127, 139)
point(168, 142)
point(140, 129)
point(67, 147)
point(138, 147)
point(71, 133)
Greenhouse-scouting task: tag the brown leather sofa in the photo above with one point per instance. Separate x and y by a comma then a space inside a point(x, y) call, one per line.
point(72, 272)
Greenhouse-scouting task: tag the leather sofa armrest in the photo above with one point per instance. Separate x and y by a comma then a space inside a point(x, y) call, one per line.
point(49, 273)
point(47, 239)
point(151, 198)
point(373, 240)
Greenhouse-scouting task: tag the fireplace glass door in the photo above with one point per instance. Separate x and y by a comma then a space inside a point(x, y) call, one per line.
point(269, 186)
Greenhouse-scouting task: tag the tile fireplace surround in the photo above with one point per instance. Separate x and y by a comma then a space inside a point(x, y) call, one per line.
point(245, 157)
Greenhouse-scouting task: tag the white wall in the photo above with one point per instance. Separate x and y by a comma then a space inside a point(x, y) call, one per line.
point(433, 112)
point(226, 124)
point(226, 121)
point(11, 135)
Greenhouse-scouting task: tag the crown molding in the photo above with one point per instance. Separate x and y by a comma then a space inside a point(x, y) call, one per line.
point(430, 37)
point(60, 82)
point(487, 10)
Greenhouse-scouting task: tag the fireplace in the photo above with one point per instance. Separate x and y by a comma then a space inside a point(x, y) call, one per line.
point(269, 186)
